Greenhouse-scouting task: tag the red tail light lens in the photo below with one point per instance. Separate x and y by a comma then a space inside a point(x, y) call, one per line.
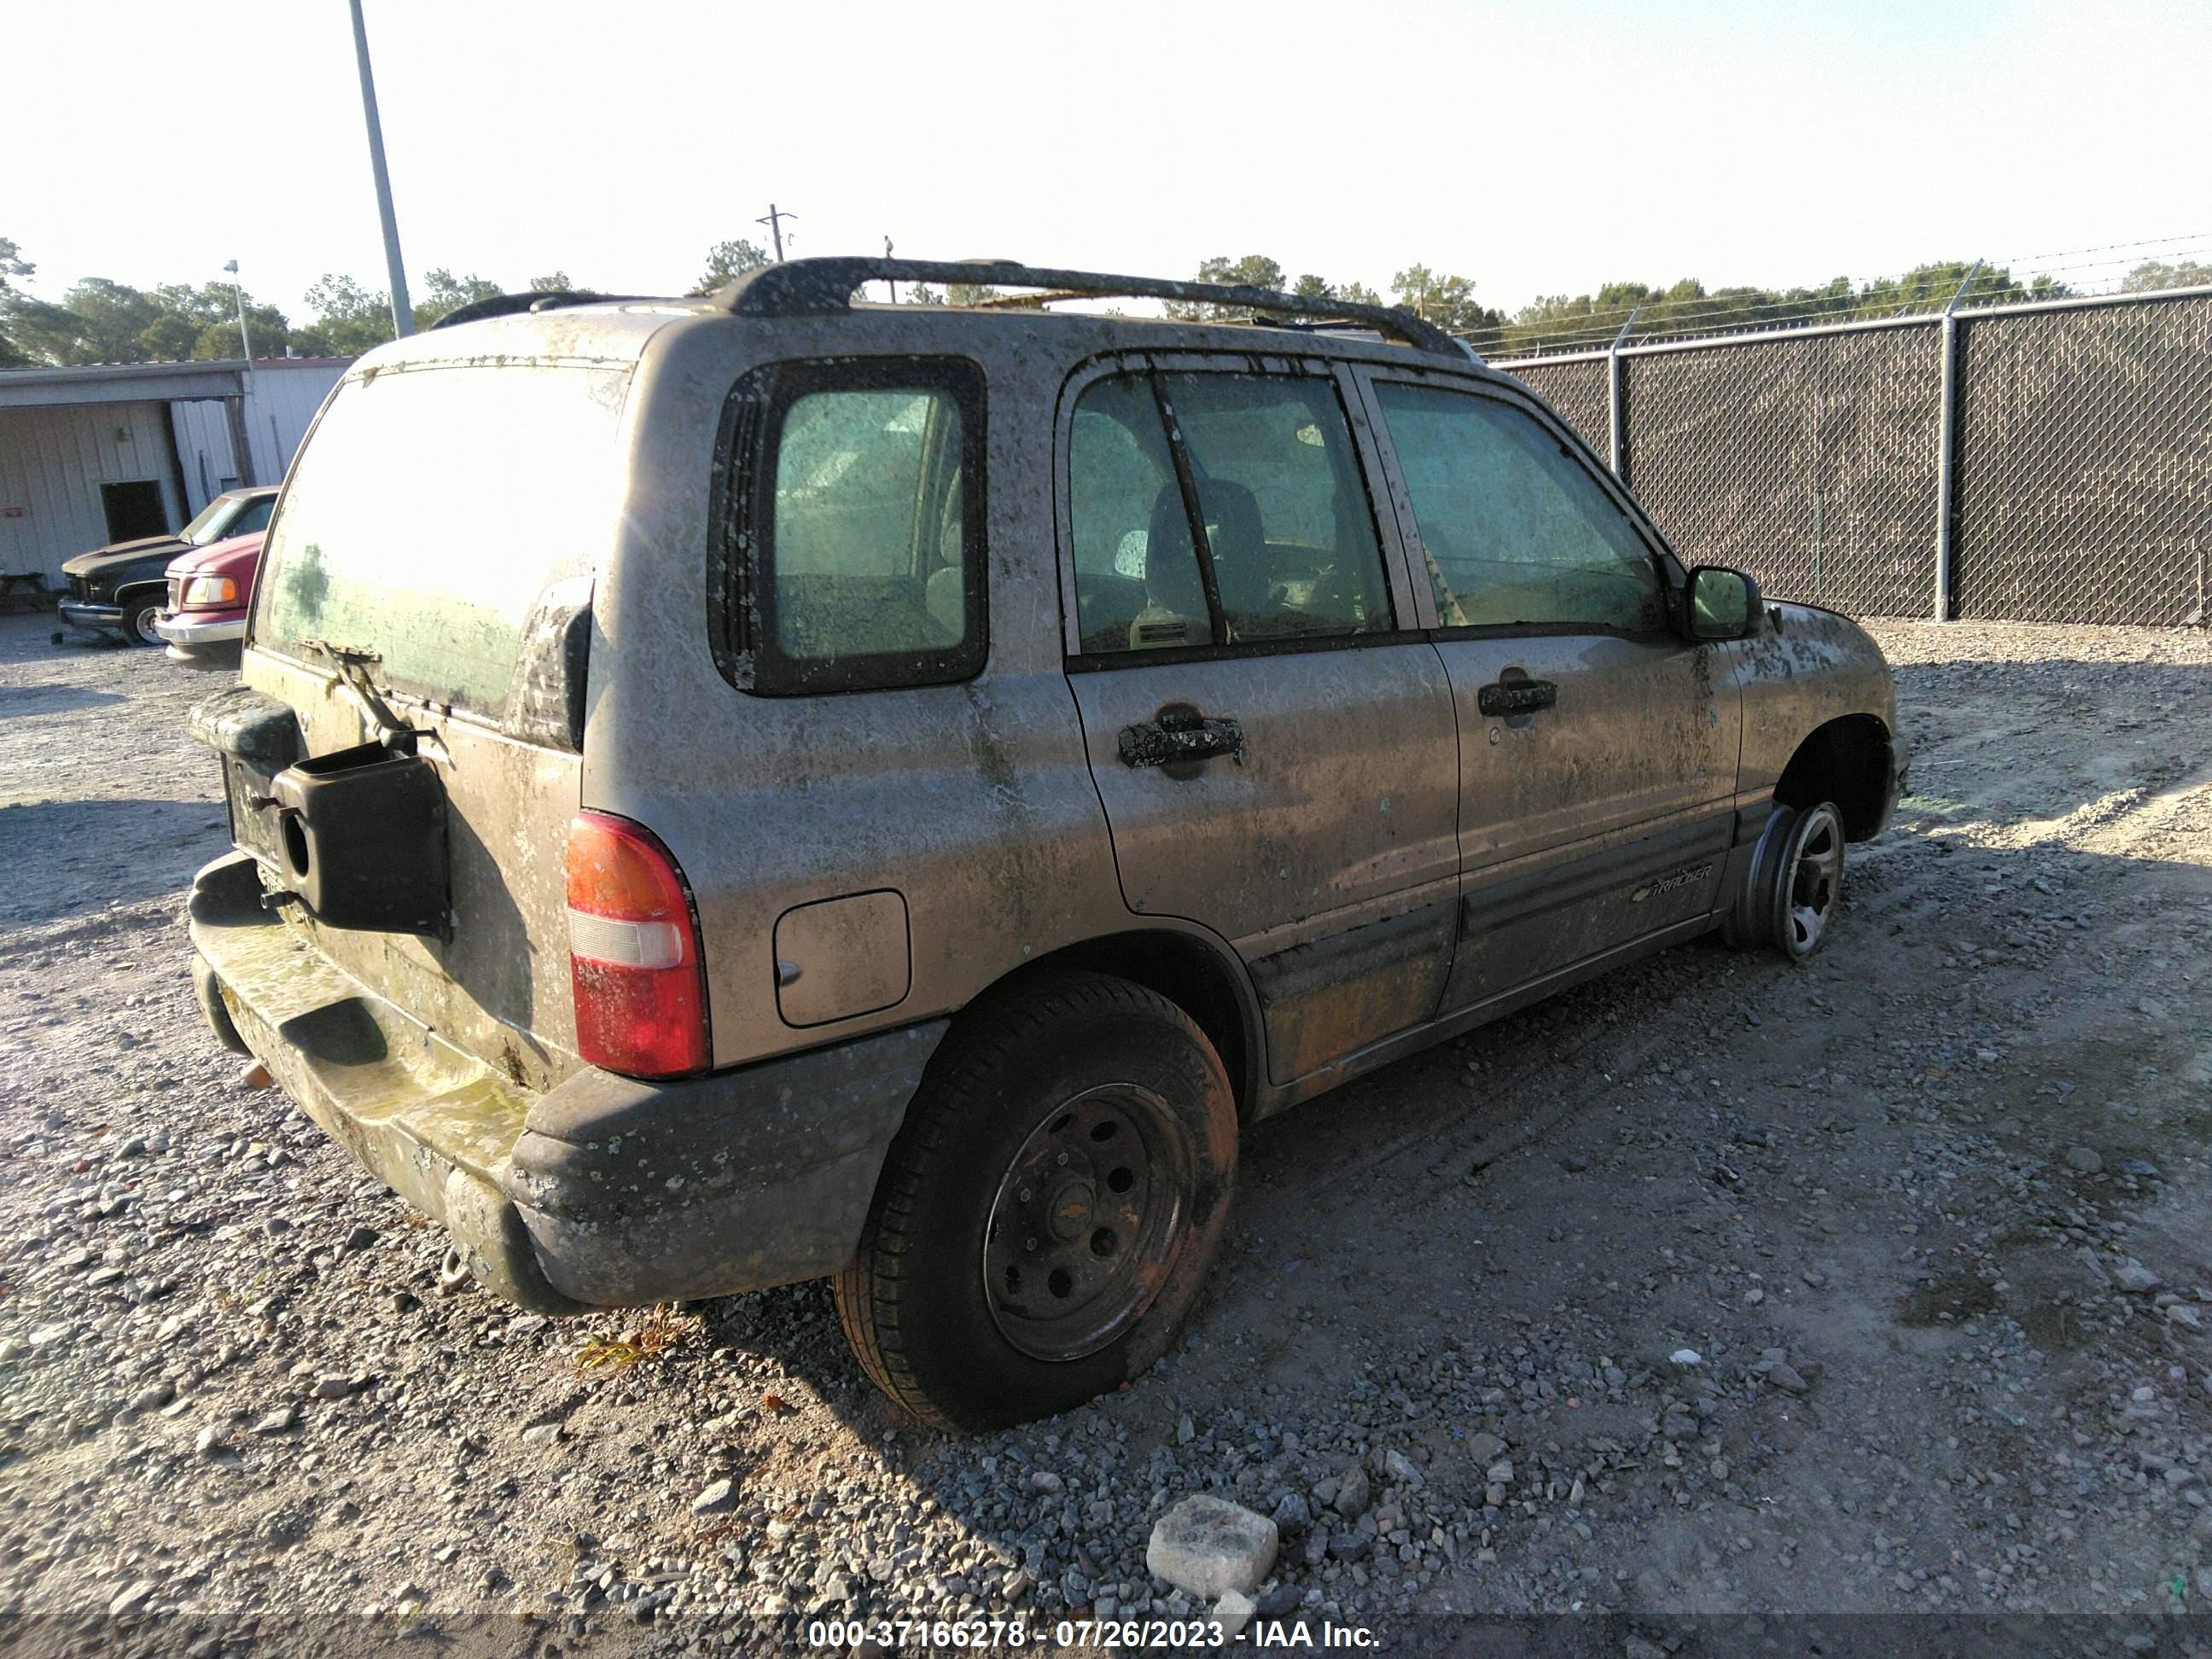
point(632, 952)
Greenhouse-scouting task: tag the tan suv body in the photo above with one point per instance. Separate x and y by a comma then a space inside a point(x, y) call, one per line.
point(739, 790)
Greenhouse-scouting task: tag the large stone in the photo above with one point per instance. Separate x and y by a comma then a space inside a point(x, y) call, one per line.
point(1209, 1546)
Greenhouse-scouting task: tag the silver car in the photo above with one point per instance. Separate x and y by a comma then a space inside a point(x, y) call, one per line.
point(735, 790)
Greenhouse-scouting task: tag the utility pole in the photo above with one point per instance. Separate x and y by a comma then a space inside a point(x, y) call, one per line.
point(774, 221)
point(891, 280)
point(403, 313)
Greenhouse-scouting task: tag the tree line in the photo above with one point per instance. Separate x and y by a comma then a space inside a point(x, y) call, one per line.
point(98, 321)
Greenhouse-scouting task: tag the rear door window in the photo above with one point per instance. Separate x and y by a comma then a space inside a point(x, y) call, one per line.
point(857, 553)
point(1266, 473)
point(431, 513)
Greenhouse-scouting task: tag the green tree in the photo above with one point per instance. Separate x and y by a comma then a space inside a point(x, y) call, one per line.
point(443, 294)
point(1253, 270)
point(1450, 302)
point(726, 261)
point(12, 264)
point(554, 283)
point(349, 319)
point(2146, 278)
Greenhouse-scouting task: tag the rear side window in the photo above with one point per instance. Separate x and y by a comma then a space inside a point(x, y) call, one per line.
point(256, 517)
point(1267, 462)
point(431, 513)
point(856, 543)
point(1515, 530)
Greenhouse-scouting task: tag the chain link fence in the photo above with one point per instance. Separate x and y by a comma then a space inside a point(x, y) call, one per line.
point(2080, 453)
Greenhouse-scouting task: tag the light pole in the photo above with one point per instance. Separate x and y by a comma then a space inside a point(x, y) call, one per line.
point(245, 340)
point(403, 314)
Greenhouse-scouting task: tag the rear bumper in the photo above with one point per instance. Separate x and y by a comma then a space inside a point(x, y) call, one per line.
point(215, 628)
point(601, 1192)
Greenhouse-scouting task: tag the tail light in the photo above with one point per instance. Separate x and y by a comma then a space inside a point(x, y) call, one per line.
point(632, 952)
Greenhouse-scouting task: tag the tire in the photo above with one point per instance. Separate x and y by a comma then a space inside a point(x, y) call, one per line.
point(1788, 901)
point(1048, 1209)
point(138, 622)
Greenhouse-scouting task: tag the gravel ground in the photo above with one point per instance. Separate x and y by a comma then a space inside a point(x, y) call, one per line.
point(1929, 1214)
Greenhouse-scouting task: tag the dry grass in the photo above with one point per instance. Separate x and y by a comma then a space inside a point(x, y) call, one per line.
point(659, 1332)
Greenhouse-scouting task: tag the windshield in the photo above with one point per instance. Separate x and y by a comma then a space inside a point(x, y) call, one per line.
point(433, 512)
point(207, 526)
point(230, 515)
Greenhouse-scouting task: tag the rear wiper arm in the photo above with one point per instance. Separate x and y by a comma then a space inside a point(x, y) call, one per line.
point(353, 663)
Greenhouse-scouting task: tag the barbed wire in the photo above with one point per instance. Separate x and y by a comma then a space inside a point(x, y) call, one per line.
point(1816, 303)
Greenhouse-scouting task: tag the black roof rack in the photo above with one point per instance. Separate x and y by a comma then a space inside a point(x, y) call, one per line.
point(505, 304)
point(823, 286)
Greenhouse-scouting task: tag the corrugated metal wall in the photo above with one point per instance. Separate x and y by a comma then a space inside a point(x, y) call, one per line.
point(52, 462)
point(285, 399)
point(54, 458)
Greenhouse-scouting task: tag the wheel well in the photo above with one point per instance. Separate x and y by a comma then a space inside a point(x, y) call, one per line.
point(1846, 761)
point(131, 592)
point(1188, 974)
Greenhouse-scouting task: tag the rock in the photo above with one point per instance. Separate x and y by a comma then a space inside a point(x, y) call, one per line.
point(209, 1443)
point(1316, 1547)
point(2137, 1277)
point(1783, 1375)
point(1355, 1545)
point(1353, 1492)
point(1484, 1449)
point(1045, 1480)
point(14, 1348)
point(332, 1388)
point(2085, 1160)
point(2184, 1316)
point(360, 1239)
point(1233, 1612)
point(1292, 1514)
point(1400, 1469)
point(1209, 1546)
point(1280, 1603)
point(1186, 1430)
point(133, 1601)
point(542, 1434)
point(278, 1420)
point(1686, 1356)
point(153, 1397)
point(50, 1336)
point(718, 1496)
point(253, 1075)
point(1500, 1473)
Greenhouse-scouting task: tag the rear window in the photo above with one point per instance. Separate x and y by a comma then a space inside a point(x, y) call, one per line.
point(434, 514)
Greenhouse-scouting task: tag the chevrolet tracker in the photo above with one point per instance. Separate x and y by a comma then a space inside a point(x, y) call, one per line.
point(735, 790)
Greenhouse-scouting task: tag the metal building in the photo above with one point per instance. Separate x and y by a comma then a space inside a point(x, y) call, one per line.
point(113, 451)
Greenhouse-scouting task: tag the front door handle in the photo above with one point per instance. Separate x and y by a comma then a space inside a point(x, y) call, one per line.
point(1517, 696)
point(1181, 734)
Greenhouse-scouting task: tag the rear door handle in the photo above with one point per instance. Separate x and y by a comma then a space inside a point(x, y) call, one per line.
point(1181, 734)
point(1517, 696)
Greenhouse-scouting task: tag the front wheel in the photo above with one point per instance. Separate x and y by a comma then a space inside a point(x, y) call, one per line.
point(1048, 1209)
point(138, 621)
point(1796, 882)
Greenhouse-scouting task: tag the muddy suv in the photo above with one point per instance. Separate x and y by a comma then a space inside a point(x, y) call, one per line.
point(794, 786)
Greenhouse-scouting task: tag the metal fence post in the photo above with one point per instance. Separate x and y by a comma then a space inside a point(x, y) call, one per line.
point(1946, 445)
point(1617, 448)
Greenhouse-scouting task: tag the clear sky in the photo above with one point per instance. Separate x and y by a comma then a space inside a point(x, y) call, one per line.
point(1541, 146)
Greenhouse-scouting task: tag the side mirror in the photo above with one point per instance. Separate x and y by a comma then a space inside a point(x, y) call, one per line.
point(1721, 604)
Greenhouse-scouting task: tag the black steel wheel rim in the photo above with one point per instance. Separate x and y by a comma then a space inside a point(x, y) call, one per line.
point(1087, 1222)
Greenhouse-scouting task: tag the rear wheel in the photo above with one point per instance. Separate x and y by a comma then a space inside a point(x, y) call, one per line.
point(138, 618)
point(1047, 1211)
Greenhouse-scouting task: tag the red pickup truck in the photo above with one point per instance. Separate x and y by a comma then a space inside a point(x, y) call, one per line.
point(209, 589)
